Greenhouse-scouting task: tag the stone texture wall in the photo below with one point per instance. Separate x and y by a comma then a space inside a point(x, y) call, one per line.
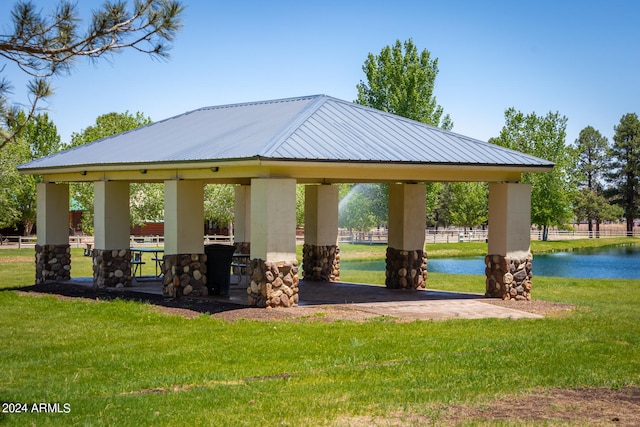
point(321, 263)
point(243, 248)
point(273, 284)
point(406, 269)
point(184, 274)
point(111, 268)
point(508, 278)
point(53, 262)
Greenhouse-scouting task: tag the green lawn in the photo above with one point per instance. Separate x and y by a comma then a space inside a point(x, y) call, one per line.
point(122, 363)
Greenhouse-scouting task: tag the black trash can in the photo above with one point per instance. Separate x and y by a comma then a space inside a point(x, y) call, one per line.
point(219, 258)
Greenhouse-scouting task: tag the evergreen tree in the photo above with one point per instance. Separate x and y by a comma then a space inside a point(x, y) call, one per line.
point(590, 203)
point(624, 167)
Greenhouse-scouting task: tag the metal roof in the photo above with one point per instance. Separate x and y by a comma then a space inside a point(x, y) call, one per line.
point(311, 128)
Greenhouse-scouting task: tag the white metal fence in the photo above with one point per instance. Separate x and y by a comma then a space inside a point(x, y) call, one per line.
point(378, 236)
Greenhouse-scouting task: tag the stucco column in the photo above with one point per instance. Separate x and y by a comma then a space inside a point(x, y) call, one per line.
point(320, 253)
point(53, 253)
point(406, 257)
point(111, 253)
point(509, 248)
point(184, 264)
point(273, 268)
point(242, 219)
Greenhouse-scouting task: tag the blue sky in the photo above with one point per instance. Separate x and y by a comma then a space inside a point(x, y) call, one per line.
point(580, 58)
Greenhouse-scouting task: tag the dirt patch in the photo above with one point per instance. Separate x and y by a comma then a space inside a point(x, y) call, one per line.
point(580, 406)
point(555, 407)
point(543, 308)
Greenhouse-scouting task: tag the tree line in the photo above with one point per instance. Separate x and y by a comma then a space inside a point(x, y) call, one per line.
point(593, 180)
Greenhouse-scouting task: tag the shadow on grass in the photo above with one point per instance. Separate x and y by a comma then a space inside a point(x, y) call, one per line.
point(72, 290)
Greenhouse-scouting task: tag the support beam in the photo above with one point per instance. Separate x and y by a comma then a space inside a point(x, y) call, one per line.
point(184, 217)
point(184, 264)
point(509, 258)
point(406, 257)
point(53, 253)
point(273, 267)
point(111, 215)
point(242, 219)
point(320, 253)
point(111, 254)
point(273, 219)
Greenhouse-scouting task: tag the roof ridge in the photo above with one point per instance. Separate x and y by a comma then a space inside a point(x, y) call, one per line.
point(244, 104)
point(293, 124)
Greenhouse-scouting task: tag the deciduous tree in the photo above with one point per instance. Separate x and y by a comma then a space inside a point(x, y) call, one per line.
point(146, 200)
point(39, 137)
point(401, 81)
point(48, 44)
point(544, 137)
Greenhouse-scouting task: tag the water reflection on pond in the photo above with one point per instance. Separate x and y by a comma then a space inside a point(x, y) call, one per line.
point(617, 262)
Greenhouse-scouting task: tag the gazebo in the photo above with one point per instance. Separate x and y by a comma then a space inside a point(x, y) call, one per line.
point(266, 148)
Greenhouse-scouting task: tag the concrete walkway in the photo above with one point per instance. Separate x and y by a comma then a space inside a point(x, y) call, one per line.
point(378, 300)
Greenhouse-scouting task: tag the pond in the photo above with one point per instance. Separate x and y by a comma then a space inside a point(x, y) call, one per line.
point(617, 262)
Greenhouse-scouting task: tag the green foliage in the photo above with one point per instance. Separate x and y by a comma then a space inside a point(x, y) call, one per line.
point(12, 183)
point(469, 204)
point(401, 81)
point(39, 137)
point(365, 206)
point(146, 200)
point(591, 204)
point(624, 167)
point(544, 137)
point(592, 157)
point(434, 205)
point(300, 191)
point(219, 203)
point(46, 44)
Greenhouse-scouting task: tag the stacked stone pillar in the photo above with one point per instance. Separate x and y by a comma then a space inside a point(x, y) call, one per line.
point(509, 259)
point(184, 263)
point(406, 257)
point(320, 253)
point(111, 254)
point(273, 267)
point(53, 253)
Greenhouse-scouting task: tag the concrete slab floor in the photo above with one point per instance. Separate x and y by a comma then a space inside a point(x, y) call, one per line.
point(374, 299)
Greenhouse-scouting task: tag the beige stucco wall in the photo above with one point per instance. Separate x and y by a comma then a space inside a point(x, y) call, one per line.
point(321, 215)
point(407, 216)
point(53, 214)
point(183, 217)
point(273, 219)
point(509, 219)
point(111, 215)
point(242, 214)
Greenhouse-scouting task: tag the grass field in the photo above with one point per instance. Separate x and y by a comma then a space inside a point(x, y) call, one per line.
point(123, 363)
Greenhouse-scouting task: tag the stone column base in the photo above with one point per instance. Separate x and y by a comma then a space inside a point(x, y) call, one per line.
point(184, 274)
point(321, 263)
point(406, 269)
point(111, 268)
point(53, 262)
point(508, 278)
point(273, 284)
